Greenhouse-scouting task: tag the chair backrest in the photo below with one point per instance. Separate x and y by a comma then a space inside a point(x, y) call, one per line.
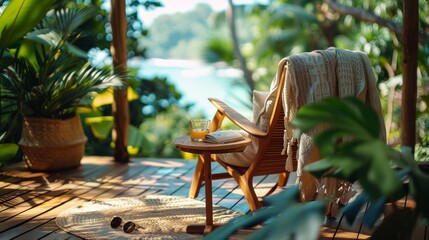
point(269, 158)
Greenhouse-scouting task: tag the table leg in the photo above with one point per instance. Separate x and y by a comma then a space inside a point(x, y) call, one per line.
point(208, 188)
point(198, 178)
point(209, 226)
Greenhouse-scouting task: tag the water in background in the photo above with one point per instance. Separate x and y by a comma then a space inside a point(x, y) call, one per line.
point(198, 81)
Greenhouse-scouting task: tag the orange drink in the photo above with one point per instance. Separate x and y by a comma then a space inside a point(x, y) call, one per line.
point(196, 134)
point(199, 129)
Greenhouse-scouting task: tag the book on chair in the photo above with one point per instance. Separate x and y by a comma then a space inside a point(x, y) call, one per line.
point(223, 136)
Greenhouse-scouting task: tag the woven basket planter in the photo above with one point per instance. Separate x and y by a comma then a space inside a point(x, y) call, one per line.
point(52, 144)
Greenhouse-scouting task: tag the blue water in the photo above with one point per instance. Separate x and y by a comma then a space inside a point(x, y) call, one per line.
point(197, 81)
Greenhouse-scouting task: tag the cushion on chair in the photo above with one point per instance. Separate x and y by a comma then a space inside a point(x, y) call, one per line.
point(258, 103)
point(260, 111)
point(263, 103)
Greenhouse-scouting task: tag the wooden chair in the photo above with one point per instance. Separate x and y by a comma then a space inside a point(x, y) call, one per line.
point(268, 159)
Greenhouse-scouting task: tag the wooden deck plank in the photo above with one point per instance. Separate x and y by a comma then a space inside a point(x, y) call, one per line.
point(328, 233)
point(55, 191)
point(107, 189)
point(146, 186)
point(38, 192)
point(66, 192)
point(30, 201)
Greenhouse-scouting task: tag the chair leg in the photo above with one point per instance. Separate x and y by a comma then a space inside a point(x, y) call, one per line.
point(198, 179)
point(283, 177)
point(246, 185)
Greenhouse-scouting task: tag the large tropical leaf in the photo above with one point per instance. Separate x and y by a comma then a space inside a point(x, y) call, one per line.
point(101, 126)
point(349, 115)
point(352, 150)
point(350, 145)
point(135, 140)
point(106, 97)
point(282, 218)
point(19, 17)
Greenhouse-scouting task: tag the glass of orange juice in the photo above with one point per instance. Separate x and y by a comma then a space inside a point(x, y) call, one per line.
point(199, 129)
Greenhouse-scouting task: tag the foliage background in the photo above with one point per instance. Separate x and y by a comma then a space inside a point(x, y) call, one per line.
point(270, 32)
point(266, 33)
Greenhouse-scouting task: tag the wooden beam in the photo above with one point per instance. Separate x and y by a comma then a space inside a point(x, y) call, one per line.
point(409, 65)
point(119, 53)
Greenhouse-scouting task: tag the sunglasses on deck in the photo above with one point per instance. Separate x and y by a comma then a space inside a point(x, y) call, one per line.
point(128, 226)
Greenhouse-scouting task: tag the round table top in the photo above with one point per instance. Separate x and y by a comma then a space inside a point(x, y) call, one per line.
point(187, 145)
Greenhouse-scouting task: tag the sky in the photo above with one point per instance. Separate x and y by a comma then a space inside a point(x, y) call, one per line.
point(174, 6)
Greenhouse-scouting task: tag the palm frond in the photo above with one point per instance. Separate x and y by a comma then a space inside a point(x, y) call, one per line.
point(66, 21)
point(57, 77)
point(75, 85)
point(45, 37)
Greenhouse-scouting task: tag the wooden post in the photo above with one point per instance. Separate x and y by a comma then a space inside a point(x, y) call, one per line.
point(119, 53)
point(409, 64)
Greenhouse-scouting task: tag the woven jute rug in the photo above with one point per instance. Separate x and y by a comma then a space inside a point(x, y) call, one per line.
point(157, 217)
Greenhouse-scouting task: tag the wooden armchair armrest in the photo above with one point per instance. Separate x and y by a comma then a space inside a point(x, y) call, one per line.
point(238, 119)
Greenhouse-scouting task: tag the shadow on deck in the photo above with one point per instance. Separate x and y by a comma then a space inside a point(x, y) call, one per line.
point(30, 201)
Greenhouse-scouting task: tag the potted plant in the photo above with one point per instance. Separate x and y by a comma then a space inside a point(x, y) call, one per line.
point(16, 19)
point(44, 82)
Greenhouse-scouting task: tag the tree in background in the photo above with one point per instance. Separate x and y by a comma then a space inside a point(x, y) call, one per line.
point(230, 16)
point(179, 35)
point(285, 27)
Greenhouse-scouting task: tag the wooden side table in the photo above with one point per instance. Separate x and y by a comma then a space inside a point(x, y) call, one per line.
point(205, 149)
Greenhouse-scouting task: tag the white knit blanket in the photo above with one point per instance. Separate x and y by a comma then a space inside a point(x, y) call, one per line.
point(310, 77)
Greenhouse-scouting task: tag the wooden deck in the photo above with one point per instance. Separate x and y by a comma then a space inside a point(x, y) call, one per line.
point(30, 201)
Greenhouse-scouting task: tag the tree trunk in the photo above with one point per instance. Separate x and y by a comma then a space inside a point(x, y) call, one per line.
point(368, 16)
point(119, 53)
point(409, 64)
point(230, 17)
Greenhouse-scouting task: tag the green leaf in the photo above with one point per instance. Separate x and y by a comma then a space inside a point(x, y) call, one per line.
point(327, 140)
point(319, 168)
point(352, 209)
point(68, 20)
point(286, 197)
point(367, 115)
point(380, 172)
point(374, 212)
point(281, 201)
point(45, 36)
point(347, 167)
point(407, 156)
point(101, 127)
point(346, 115)
point(75, 50)
point(303, 221)
point(27, 51)
point(7, 151)
point(135, 140)
point(310, 116)
point(19, 17)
